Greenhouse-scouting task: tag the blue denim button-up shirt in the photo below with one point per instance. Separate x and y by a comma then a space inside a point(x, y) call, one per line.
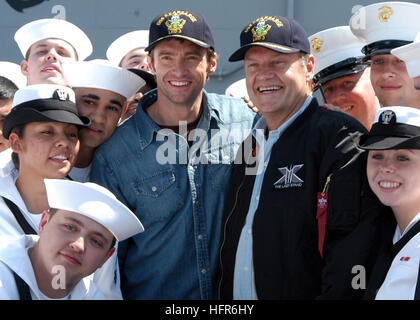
point(180, 204)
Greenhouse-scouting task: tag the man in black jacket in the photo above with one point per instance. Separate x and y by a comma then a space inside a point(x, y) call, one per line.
point(302, 223)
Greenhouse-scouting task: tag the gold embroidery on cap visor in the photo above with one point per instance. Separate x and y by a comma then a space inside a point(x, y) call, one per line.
point(385, 13)
point(316, 44)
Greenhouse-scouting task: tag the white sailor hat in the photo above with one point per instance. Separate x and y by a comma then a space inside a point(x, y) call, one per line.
point(410, 54)
point(12, 72)
point(237, 89)
point(42, 92)
point(393, 128)
point(41, 29)
point(101, 74)
point(94, 202)
point(386, 25)
point(337, 53)
point(124, 44)
point(43, 103)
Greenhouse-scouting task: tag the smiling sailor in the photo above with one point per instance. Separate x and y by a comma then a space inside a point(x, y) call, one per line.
point(76, 236)
point(382, 27)
point(342, 75)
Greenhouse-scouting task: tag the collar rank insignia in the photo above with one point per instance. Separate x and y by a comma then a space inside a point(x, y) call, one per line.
point(260, 30)
point(385, 13)
point(175, 24)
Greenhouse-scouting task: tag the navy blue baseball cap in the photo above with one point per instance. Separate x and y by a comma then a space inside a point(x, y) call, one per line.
point(277, 33)
point(180, 24)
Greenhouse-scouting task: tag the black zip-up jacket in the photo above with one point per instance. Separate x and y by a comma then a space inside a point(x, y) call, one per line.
point(287, 262)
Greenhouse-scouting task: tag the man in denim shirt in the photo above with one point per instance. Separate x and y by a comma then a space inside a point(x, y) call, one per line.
point(170, 163)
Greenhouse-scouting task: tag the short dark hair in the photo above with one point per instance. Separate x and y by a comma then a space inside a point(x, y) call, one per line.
point(211, 54)
point(19, 130)
point(7, 88)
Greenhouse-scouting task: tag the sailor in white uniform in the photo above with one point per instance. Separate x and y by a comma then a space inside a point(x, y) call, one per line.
point(76, 236)
point(45, 44)
point(342, 75)
point(102, 90)
point(127, 51)
point(48, 111)
point(393, 171)
point(384, 26)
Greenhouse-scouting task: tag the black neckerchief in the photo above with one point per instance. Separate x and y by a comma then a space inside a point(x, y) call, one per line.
point(26, 227)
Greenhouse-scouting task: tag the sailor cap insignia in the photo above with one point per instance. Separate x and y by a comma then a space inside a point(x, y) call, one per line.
point(316, 44)
point(385, 13)
point(260, 30)
point(387, 117)
point(175, 24)
point(61, 94)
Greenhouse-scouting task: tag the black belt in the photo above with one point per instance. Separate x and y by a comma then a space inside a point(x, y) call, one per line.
point(26, 227)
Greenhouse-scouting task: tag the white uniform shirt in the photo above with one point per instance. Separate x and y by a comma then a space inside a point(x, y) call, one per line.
point(80, 174)
point(6, 166)
point(8, 224)
point(14, 257)
point(107, 278)
point(401, 280)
